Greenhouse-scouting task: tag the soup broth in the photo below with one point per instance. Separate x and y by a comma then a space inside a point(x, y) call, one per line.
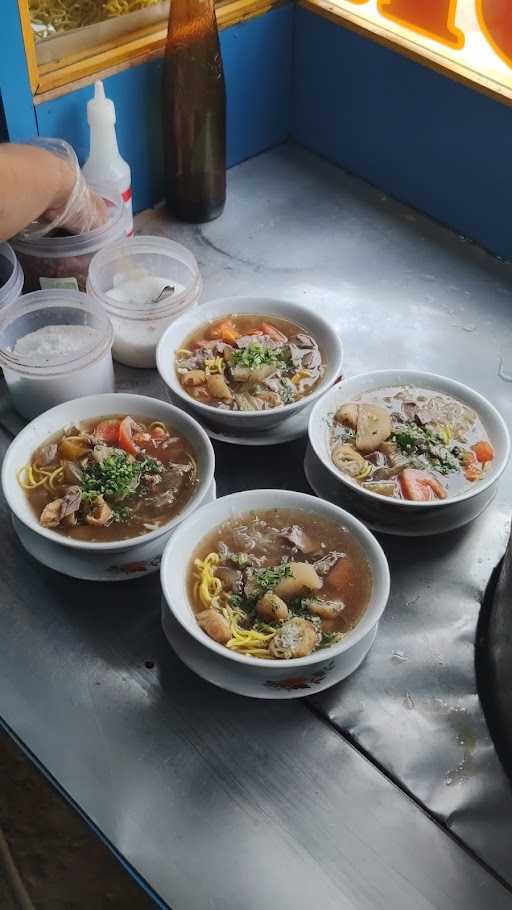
point(249, 363)
point(410, 443)
point(112, 478)
point(279, 584)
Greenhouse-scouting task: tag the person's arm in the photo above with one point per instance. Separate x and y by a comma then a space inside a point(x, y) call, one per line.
point(35, 183)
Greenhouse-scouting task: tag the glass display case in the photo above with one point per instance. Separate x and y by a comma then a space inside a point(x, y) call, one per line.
point(66, 40)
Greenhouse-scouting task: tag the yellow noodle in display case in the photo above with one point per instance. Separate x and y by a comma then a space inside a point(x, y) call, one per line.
point(63, 15)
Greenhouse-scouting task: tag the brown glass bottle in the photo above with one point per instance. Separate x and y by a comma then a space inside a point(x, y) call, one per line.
point(194, 113)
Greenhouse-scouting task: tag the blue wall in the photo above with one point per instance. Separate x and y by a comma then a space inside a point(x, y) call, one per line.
point(429, 141)
point(15, 92)
point(258, 65)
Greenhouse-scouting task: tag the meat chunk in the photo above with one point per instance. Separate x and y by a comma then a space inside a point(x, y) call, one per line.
point(258, 374)
point(272, 608)
point(298, 537)
point(373, 427)
point(101, 514)
point(47, 454)
point(326, 609)
point(72, 472)
point(231, 579)
point(349, 461)
point(296, 638)
point(71, 501)
point(52, 513)
point(325, 564)
point(347, 414)
point(194, 377)
point(218, 387)
point(56, 511)
point(215, 625)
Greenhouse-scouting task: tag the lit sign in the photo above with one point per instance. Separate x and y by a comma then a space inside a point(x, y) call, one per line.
point(436, 20)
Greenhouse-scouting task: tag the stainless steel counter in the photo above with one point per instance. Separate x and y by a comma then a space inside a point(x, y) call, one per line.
point(218, 801)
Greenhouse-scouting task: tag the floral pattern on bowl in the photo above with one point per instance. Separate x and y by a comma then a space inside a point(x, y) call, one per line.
point(301, 682)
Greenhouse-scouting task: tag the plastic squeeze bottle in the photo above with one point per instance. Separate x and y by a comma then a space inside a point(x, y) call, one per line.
point(104, 169)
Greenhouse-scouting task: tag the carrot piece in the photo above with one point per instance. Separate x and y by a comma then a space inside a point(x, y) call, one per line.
point(421, 486)
point(275, 334)
point(483, 451)
point(125, 436)
point(225, 330)
point(108, 431)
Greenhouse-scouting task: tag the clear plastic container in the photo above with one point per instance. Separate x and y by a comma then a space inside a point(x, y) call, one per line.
point(138, 324)
point(62, 261)
point(11, 275)
point(39, 380)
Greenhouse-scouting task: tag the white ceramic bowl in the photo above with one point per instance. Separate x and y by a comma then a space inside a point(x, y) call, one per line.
point(49, 423)
point(264, 678)
point(246, 421)
point(400, 516)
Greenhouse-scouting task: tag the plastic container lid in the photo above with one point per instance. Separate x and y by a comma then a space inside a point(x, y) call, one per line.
point(11, 275)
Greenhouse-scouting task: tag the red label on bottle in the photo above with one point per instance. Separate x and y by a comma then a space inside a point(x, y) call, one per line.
point(127, 195)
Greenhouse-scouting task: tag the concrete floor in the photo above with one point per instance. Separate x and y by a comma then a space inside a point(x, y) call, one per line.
point(62, 863)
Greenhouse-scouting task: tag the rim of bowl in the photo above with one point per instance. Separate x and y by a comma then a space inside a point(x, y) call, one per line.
point(192, 504)
point(458, 387)
point(168, 374)
point(365, 538)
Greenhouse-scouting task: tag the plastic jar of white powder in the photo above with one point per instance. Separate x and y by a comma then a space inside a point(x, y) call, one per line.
point(144, 284)
point(55, 346)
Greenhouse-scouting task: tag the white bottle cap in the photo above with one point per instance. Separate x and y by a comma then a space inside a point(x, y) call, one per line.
point(100, 107)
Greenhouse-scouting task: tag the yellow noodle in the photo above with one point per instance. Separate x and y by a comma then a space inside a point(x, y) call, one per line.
point(208, 591)
point(300, 375)
point(364, 472)
point(157, 423)
point(247, 641)
point(31, 476)
point(63, 14)
point(215, 365)
point(207, 587)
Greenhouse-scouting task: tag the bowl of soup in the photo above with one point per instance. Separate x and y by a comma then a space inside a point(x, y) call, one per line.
point(106, 477)
point(246, 363)
point(273, 593)
point(411, 453)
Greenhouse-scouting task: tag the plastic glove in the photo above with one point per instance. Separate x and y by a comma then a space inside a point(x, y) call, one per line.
point(82, 211)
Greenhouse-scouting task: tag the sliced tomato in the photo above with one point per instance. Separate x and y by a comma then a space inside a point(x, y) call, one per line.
point(108, 431)
point(126, 435)
point(421, 486)
point(483, 451)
